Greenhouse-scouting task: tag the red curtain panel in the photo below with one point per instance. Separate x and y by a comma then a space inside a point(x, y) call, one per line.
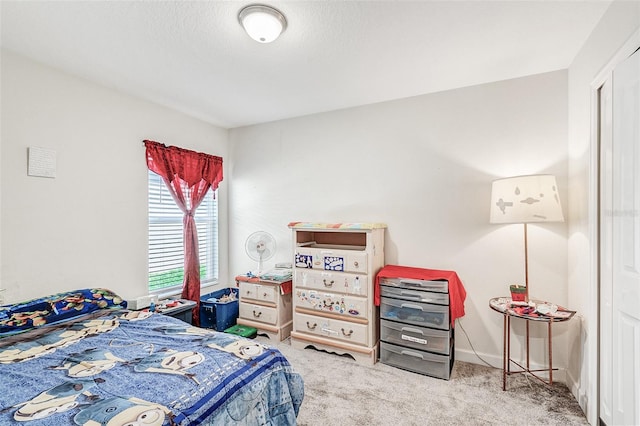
point(188, 175)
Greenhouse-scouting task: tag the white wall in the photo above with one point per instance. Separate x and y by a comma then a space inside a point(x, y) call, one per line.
point(621, 20)
point(88, 226)
point(424, 166)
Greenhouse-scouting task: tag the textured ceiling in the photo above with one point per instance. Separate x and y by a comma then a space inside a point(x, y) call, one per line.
point(193, 56)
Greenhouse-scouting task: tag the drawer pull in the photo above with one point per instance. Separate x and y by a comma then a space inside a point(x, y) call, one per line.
point(412, 330)
point(411, 283)
point(356, 264)
point(409, 293)
point(257, 315)
point(411, 306)
point(264, 294)
point(312, 327)
point(344, 333)
point(329, 284)
point(411, 353)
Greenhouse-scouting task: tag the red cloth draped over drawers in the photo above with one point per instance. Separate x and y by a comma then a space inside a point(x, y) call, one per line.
point(457, 293)
point(285, 286)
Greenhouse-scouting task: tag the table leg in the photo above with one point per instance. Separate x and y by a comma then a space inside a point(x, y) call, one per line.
point(550, 355)
point(527, 345)
point(504, 352)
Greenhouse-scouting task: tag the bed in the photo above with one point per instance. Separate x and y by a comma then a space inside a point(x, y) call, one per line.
point(82, 358)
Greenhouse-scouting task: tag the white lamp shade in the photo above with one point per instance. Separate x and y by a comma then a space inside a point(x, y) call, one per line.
point(525, 199)
point(264, 24)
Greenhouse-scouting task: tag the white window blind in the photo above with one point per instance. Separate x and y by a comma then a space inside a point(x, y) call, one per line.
point(166, 249)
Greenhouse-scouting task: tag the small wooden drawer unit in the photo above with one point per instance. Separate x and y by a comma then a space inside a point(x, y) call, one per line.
point(416, 332)
point(333, 278)
point(266, 306)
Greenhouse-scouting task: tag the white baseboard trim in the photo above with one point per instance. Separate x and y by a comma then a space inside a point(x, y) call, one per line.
point(466, 355)
point(578, 392)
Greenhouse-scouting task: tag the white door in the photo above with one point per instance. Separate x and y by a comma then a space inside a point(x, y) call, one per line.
point(625, 243)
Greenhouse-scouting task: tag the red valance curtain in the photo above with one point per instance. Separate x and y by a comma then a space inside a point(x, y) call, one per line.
point(188, 175)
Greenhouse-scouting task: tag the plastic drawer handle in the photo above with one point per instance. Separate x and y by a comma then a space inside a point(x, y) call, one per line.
point(410, 294)
point(330, 284)
point(345, 333)
point(257, 315)
point(412, 330)
point(409, 305)
point(411, 283)
point(312, 327)
point(411, 353)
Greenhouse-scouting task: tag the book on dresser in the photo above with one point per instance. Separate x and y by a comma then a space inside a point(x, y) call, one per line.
point(333, 287)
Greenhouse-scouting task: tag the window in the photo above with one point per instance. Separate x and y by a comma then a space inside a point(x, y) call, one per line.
point(166, 249)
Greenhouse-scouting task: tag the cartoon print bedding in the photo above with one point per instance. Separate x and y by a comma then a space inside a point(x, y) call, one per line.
point(111, 366)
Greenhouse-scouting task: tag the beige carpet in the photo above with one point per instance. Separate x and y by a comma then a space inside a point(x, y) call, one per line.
point(339, 391)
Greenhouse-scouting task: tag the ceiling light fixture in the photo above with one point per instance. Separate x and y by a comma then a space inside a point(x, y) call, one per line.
point(263, 23)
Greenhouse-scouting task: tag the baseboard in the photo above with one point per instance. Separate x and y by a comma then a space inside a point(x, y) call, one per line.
point(469, 356)
point(578, 393)
point(465, 355)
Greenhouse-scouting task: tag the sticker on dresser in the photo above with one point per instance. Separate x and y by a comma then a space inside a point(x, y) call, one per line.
point(349, 283)
point(339, 304)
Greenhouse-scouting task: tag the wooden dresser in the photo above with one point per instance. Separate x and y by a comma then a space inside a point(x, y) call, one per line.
point(266, 306)
point(333, 287)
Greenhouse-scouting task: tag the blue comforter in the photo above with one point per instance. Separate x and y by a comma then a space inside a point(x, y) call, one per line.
point(119, 367)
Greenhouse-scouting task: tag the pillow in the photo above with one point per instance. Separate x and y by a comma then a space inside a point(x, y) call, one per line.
point(56, 308)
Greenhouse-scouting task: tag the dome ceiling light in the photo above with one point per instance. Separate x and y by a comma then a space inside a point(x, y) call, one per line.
point(263, 23)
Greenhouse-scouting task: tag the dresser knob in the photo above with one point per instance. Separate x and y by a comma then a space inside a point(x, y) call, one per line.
point(264, 295)
point(344, 333)
point(312, 327)
point(355, 264)
point(328, 284)
point(257, 315)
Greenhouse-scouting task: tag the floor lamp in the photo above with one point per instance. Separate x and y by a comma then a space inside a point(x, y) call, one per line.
point(525, 199)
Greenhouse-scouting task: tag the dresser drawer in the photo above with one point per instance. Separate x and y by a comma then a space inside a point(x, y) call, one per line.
point(258, 313)
point(417, 361)
point(262, 292)
point(329, 259)
point(417, 295)
point(418, 313)
point(335, 303)
point(438, 286)
point(411, 336)
point(337, 329)
point(343, 282)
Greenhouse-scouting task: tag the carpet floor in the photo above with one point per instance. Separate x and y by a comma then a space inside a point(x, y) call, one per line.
point(339, 391)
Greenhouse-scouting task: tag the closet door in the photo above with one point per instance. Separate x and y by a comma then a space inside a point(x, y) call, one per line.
point(625, 218)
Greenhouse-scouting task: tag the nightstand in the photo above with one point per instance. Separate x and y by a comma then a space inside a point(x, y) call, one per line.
point(179, 308)
point(266, 306)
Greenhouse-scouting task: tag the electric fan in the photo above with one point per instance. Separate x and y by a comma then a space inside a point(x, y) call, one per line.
point(260, 246)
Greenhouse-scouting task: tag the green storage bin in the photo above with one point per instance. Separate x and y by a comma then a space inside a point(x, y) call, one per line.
point(242, 330)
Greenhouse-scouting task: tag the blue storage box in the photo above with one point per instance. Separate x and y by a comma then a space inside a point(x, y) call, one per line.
point(216, 314)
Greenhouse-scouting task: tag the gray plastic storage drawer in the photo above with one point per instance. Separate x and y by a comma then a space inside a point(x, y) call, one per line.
point(417, 313)
point(411, 336)
point(438, 286)
point(417, 361)
point(418, 295)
